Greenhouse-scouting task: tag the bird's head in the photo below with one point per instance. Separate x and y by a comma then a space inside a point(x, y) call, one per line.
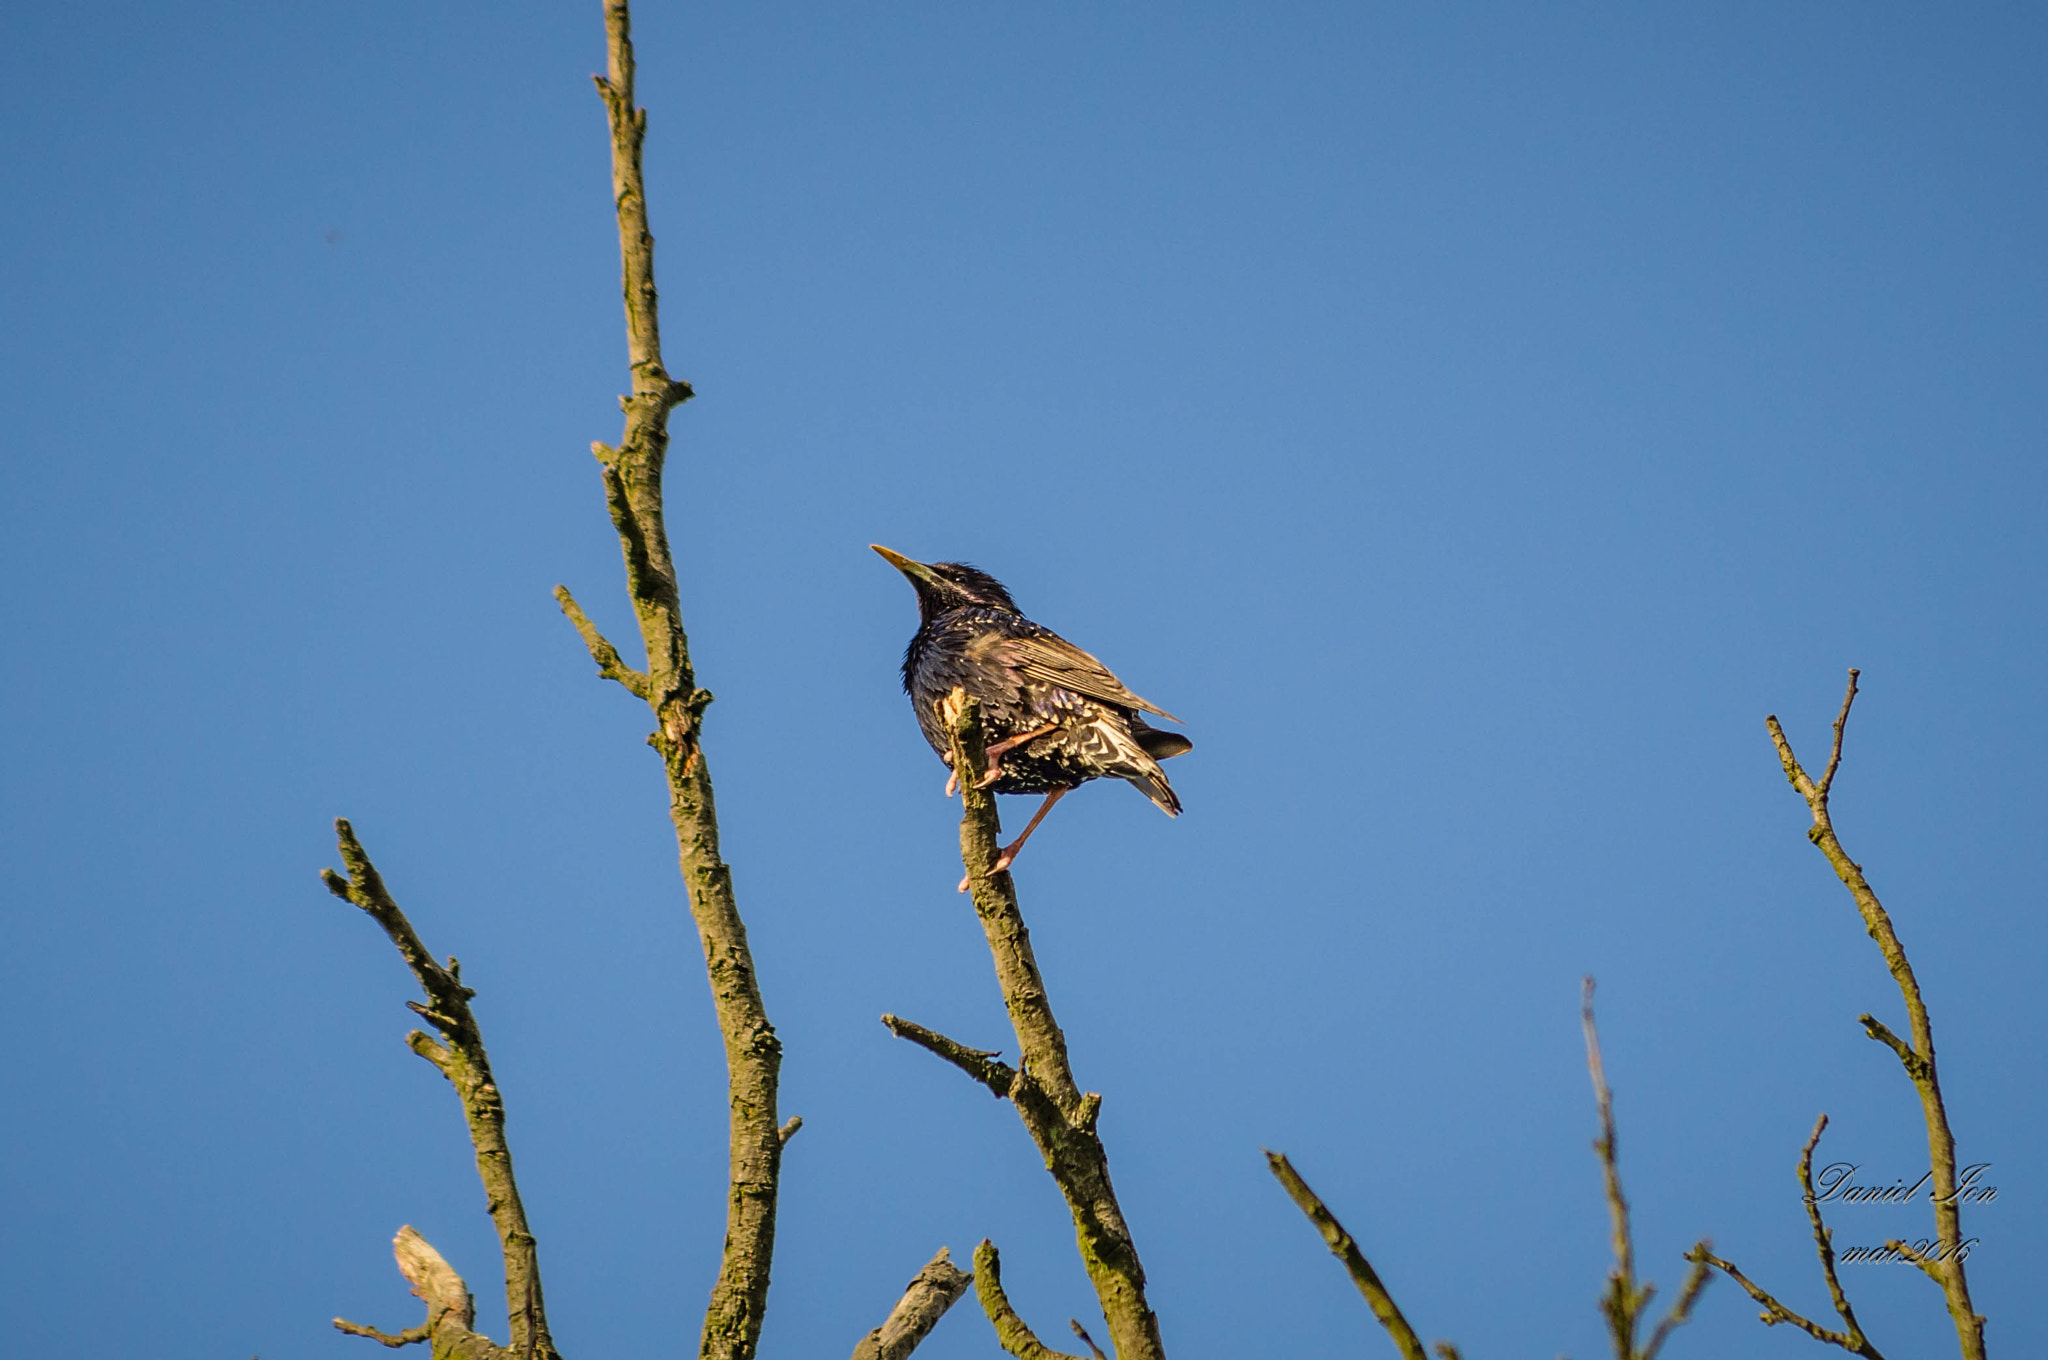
point(941, 586)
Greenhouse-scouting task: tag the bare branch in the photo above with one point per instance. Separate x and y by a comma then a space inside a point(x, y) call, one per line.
point(925, 1300)
point(1851, 1337)
point(1681, 1308)
point(1086, 1340)
point(1059, 1116)
point(1927, 1267)
point(977, 1063)
point(1827, 778)
point(1823, 1239)
point(1345, 1249)
point(1879, 1031)
point(609, 664)
point(450, 1311)
point(1916, 1055)
point(460, 1056)
point(631, 474)
point(1776, 1312)
point(1626, 1300)
point(789, 1128)
point(411, 1336)
point(1011, 1331)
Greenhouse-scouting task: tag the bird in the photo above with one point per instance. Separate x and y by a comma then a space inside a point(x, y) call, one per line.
point(1055, 716)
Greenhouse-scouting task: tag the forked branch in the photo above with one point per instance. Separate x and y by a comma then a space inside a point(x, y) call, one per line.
point(1916, 1054)
point(1059, 1117)
point(459, 1055)
point(631, 474)
point(1851, 1337)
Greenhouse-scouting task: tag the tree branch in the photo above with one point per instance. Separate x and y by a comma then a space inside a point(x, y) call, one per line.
point(1345, 1249)
point(925, 1300)
point(609, 664)
point(1016, 1337)
point(1918, 1056)
point(631, 475)
point(1059, 1117)
point(977, 1063)
point(1626, 1300)
point(1851, 1337)
point(460, 1056)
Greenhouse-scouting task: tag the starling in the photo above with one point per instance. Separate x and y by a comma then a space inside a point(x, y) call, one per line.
point(1054, 715)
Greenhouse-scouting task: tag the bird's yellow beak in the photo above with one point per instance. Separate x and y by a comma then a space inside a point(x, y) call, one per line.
point(915, 570)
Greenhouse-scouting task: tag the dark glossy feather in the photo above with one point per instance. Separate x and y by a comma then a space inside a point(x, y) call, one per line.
point(1028, 677)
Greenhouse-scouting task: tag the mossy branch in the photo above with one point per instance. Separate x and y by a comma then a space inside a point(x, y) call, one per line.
point(460, 1057)
point(1345, 1248)
point(1059, 1117)
point(631, 474)
point(1916, 1055)
point(1012, 1332)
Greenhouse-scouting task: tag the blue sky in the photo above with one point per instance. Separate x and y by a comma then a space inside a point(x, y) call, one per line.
point(1473, 419)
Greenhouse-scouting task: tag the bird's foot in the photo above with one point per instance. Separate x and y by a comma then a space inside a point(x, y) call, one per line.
point(1003, 860)
point(952, 782)
point(996, 752)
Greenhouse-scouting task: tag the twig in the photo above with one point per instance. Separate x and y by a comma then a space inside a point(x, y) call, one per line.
point(1918, 1258)
point(609, 664)
point(460, 1056)
point(1626, 1300)
point(1345, 1249)
point(1851, 1337)
point(975, 1062)
point(1058, 1115)
point(632, 477)
point(925, 1300)
point(1016, 1337)
point(1918, 1055)
point(1086, 1340)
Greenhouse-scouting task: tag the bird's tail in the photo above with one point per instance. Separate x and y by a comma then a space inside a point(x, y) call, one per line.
point(1139, 755)
point(1153, 785)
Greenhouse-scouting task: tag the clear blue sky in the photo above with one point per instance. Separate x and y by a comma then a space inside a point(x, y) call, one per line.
point(1473, 419)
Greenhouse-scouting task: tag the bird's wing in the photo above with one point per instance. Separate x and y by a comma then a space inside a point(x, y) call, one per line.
point(1043, 655)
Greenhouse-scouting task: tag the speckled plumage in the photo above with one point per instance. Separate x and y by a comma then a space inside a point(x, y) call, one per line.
point(1027, 678)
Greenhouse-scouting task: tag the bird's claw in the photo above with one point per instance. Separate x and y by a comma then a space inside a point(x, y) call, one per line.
point(1002, 863)
point(952, 782)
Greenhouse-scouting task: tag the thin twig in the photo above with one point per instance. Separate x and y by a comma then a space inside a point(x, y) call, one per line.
point(1345, 1248)
point(1086, 1340)
point(1012, 1332)
point(631, 474)
point(925, 1300)
point(411, 1336)
point(459, 1055)
point(1626, 1300)
point(1917, 1055)
point(1918, 1258)
point(1851, 1337)
point(609, 664)
point(975, 1062)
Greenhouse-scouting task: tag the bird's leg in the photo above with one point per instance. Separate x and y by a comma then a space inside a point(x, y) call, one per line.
point(995, 754)
point(1008, 855)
